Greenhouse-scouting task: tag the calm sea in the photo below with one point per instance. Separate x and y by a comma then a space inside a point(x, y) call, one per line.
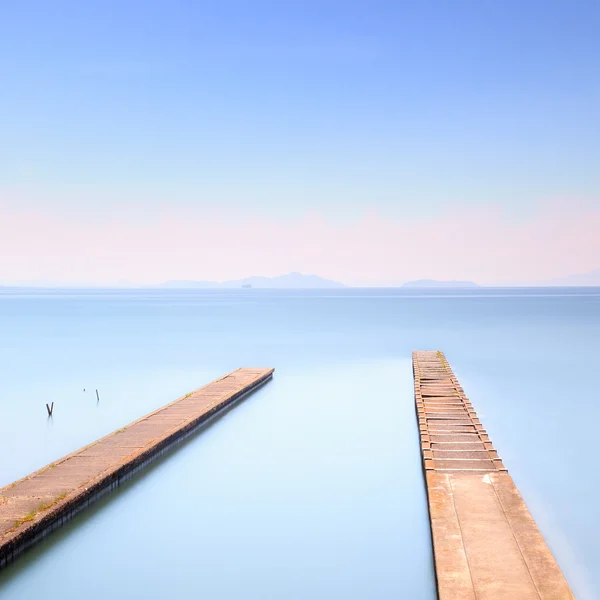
point(312, 487)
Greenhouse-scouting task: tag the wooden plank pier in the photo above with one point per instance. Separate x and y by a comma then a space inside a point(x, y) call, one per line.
point(34, 506)
point(486, 544)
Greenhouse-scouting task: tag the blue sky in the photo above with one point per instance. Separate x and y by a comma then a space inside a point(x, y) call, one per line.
point(115, 112)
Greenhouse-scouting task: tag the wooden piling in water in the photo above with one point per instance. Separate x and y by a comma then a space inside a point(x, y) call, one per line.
point(486, 544)
point(34, 506)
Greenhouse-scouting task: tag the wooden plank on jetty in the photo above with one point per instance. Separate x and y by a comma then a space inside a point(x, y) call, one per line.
point(486, 544)
point(34, 506)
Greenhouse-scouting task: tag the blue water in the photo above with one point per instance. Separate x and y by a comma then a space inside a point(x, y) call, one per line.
point(312, 487)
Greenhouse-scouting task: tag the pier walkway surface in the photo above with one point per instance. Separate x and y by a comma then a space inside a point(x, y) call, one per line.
point(486, 544)
point(36, 505)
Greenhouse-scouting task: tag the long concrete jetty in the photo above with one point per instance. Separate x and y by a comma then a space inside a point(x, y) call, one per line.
point(34, 506)
point(486, 544)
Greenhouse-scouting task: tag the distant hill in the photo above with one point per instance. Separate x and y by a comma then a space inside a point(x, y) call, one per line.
point(289, 281)
point(185, 283)
point(592, 279)
point(432, 283)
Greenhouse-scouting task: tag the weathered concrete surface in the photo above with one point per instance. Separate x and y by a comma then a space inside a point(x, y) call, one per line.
point(36, 505)
point(486, 544)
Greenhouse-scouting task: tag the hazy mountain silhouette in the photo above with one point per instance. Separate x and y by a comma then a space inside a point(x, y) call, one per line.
point(289, 281)
point(592, 278)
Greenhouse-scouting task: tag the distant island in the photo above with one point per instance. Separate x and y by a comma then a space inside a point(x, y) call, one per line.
point(301, 281)
point(432, 283)
point(289, 281)
point(589, 279)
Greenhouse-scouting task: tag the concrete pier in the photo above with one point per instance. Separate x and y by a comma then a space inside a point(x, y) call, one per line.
point(486, 544)
point(34, 506)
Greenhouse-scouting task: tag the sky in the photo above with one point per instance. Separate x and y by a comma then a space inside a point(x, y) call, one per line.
point(367, 142)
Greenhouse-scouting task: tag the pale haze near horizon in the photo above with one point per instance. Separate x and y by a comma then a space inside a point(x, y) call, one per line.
point(366, 143)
